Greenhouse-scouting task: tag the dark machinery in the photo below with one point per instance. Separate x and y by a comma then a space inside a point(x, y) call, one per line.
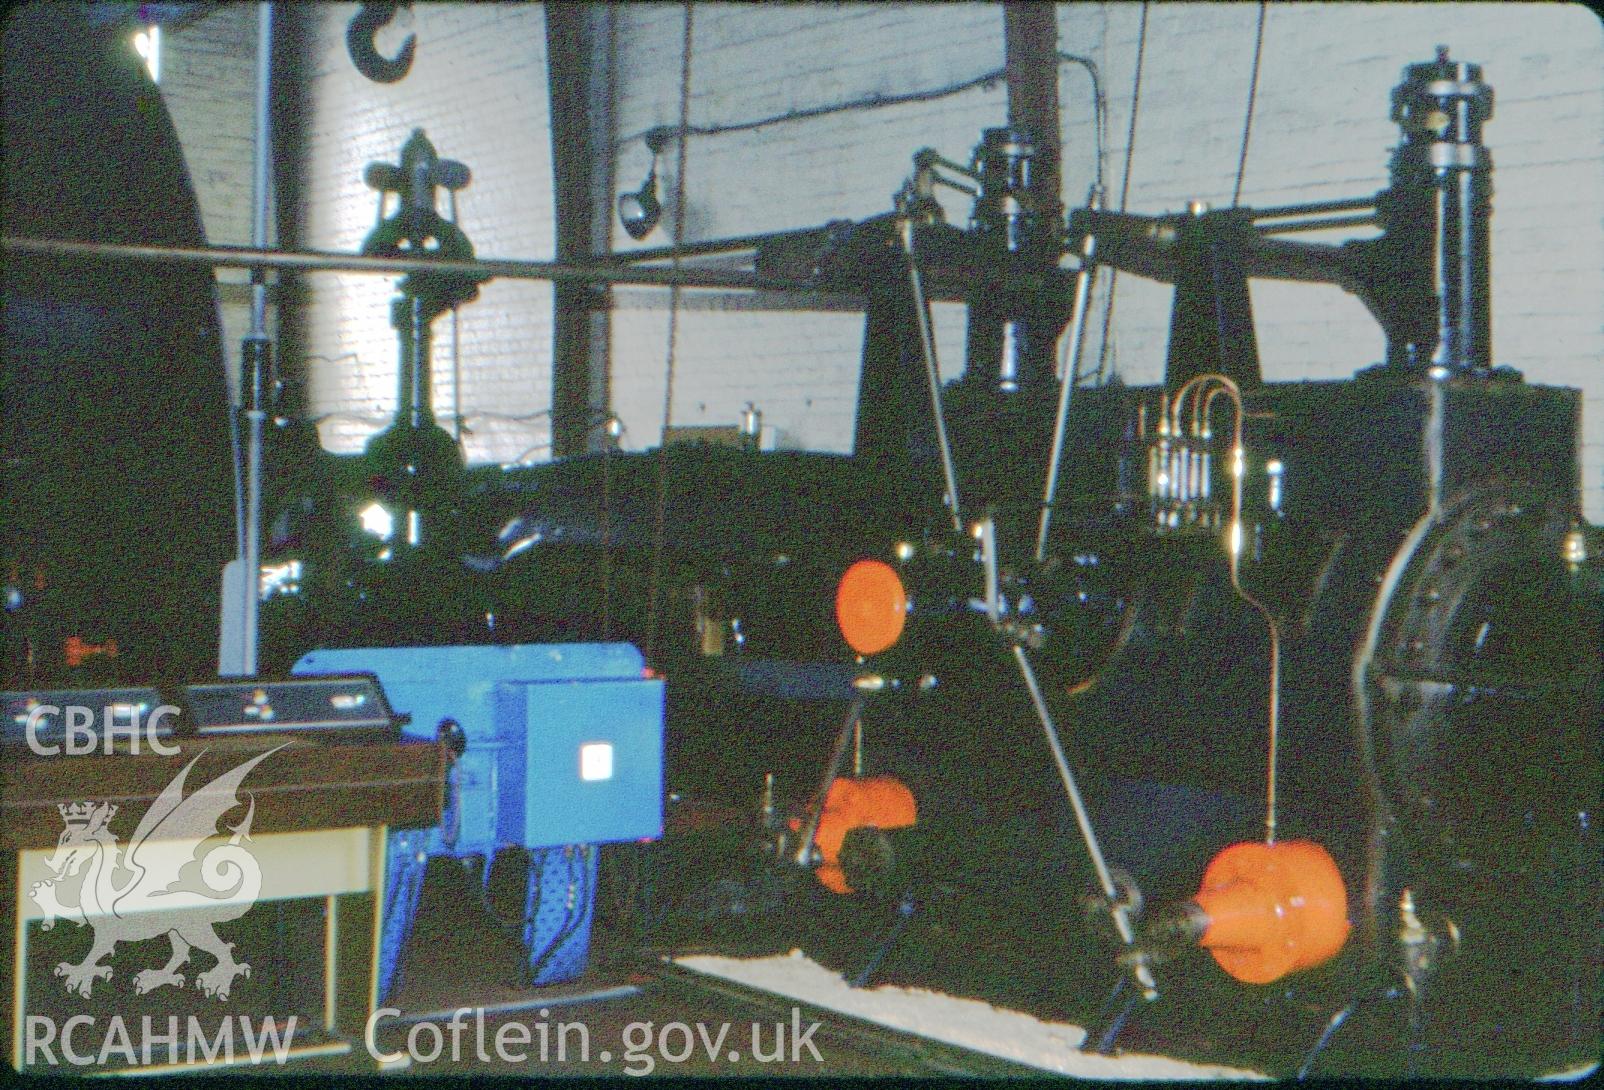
point(1366, 603)
point(1366, 608)
point(114, 420)
point(1362, 601)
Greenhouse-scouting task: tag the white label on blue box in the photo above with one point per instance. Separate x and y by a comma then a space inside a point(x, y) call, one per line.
point(596, 761)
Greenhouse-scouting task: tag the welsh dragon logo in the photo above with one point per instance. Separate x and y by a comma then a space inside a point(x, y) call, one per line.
point(121, 894)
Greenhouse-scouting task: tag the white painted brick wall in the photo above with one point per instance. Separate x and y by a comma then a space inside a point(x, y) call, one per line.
point(1321, 130)
point(208, 82)
point(751, 61)
point(478, 89)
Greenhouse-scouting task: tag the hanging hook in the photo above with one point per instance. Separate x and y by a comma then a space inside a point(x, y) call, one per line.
point(359, 42)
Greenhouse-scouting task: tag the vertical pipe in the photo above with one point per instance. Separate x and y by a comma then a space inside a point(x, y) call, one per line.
point(419, 366)
point(261, 180)
point(254, 361)
point(1432, 441)
point(987, 534)
point(602, 49)
point(1030, 46)
point(1444, 171)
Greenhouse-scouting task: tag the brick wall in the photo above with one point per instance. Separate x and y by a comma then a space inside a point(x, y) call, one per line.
point(208, 82)
point(478, 88)
point(1321, 130)
point(752, 61)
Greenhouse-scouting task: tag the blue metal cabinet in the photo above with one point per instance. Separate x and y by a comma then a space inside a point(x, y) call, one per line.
point(583, 761)
point(564, 752)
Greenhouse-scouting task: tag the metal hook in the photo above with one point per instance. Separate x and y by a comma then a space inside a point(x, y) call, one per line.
point(359, 42)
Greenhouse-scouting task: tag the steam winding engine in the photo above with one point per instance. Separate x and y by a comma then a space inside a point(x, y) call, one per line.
point(1361, 608)
point(1364, 610)
point(1363, 603)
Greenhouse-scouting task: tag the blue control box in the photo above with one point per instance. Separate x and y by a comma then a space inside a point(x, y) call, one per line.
point(564, 752)
point(565, 741)
point(590, 771)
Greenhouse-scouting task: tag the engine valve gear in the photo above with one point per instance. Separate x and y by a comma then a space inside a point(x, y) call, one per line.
point(1100, 908)
point(416, 464)
point(416, 228)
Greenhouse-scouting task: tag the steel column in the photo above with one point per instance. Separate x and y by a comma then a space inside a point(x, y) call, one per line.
point(569, 51)
point(1030, 45)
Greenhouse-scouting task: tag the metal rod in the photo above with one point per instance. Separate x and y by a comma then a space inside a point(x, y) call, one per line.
point(1360, 679)
point(905, 909)
point(928, 157)
point(1273, 757)
point(927, 345)
point(804, 851)
point(709, 246)
point(988, 560)
point(1077, 332)
point(1325, 1038)
point(1318, 223)
point(418, 366)
point(262, 178)
point(329, 261)
point(1361, 682)
point(1432, 440)
point(1105, 1040)
point(1105, 878)
point(1350, 204)
point(256, 357)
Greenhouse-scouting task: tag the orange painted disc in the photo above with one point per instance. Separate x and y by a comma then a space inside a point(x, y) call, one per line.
point(871, 606)
point(1273, 909)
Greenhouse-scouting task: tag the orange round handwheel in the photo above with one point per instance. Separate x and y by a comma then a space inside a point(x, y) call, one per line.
point(871, 606)
point(881, 801)
point(1273, 909)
